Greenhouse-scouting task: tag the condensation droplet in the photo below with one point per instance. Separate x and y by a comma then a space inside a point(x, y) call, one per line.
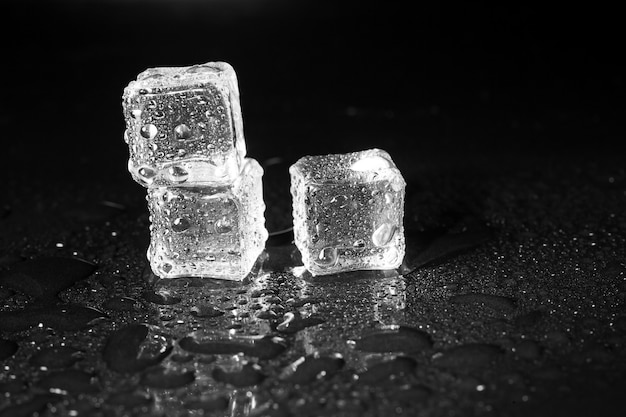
point(146, 172)
point(327, 257)
point(182, 132)
point(148, 131)
point(383, 234)
point(340, 200)
point(223, 225)
point(135, 114)
point(390, 255)
point(126, 137)
point(359, 243)
point(158, 114)
point(178, 174)
point(165, 267)
point(180, 225)
point(389, 198)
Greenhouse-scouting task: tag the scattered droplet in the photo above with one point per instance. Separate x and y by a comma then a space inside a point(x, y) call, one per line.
point(121, 352)
point(262, 347)
point(402, 339)
point(304, 301)
point(219, 403)
point(161, 297)
point(381, 372)
point(443, 248)
point(44, 278)
point(59, 317)
point(308, 369)
point(206, 311)
point(250, 374)
point(294, 322)
point(163, 378)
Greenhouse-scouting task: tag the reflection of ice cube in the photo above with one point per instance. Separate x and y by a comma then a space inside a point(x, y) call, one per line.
point(208, 231)
point(184, 125)
point(348, 211)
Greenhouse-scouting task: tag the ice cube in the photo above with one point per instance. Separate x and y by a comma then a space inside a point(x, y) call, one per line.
point(208, 231)
point(348, 211)
point(184, 125)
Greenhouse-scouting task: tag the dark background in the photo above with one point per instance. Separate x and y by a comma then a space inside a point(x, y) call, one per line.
point(507, 123)
point(428, 82)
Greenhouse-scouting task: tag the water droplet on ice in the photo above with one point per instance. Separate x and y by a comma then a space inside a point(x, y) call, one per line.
point(371, 163)
point(391, 255)
point(146, 172)
point(148, 131)
point(327, 257)
point(182, 132)
point(165, 267)
point(359, 243)
point(180, 224)
point(223, 225)
point(383, 234)
point(178, 174)
point(135, 114)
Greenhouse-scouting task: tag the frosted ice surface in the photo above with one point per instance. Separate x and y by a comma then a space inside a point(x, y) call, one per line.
point(208, 231)
point(184, 125)
point(348, 211)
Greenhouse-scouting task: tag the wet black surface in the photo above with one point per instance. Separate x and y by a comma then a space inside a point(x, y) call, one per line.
point(506, 124)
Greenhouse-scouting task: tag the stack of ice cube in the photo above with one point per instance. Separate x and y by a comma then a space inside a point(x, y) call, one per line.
point(185, 136)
